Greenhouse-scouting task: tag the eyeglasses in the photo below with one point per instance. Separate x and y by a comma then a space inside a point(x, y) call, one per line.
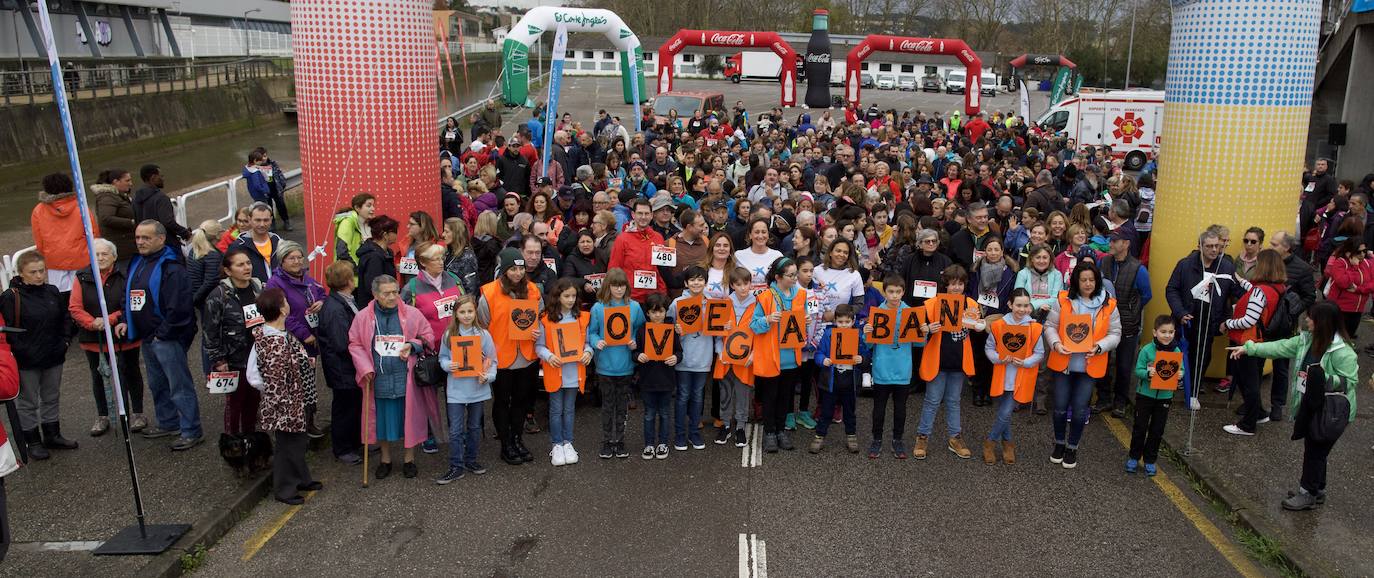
point(1251, 241)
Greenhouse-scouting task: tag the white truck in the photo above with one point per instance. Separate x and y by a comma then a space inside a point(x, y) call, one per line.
point(1128, 121)
point(837, 69)
point(757, 65)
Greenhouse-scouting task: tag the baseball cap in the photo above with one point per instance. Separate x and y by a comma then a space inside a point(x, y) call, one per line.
point(925, 180)
point(1123, 234)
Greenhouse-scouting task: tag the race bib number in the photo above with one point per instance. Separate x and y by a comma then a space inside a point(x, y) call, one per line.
point(924, 289)
point(551, 264)
point(222, 382)
point(664, 256)
point(251, 317)
point(408, 266)
point(450, 135)
point(1039, 296)
point(445, 306)
point(389, 345)
point(646, 280)
point(1203, 290)
point(978, 255)
point(615, 183)
point(137, 299)
point(312, 319)
point(758, 288)
point(595, 280)
point(989, 300)
point(814, 305)
point(1312, 186)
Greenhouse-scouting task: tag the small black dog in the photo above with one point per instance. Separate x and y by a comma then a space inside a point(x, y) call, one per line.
point(247, 453)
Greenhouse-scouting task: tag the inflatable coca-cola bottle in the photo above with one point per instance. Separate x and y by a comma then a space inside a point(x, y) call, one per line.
point(818, 61)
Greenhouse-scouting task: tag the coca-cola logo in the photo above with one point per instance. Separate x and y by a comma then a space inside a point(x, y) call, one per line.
point(818, 58)
point(728, 39)
point(864, 51)
point(966, 55)
point(675, 45)
point(916, 46)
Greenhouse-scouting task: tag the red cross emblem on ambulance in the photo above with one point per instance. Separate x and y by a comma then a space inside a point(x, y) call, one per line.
point(1127, 127)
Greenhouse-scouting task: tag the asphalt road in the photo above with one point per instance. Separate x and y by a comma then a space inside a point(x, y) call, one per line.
point(828, 514)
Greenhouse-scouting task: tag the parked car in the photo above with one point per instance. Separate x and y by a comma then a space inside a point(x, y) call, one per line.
point(906, 83)
point(932, 83)
point(866, 80)
point(685, 102)
point(887, 82)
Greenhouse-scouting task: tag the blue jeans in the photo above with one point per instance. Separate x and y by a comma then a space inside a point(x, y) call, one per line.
point(691, 385)
point(174, 392)
point(464, 433)
point(1076, 388)
point(562, 411)
point(946, 387)
point(656, 407)
point(1001, 427)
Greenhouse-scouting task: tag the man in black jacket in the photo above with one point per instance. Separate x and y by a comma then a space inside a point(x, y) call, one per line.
point(1199, 293)
point(150, 202)
point(1319, 187)
point(967, 244)
point(1301, 282)
point(336, 317)
point(514, 168)
point(158, 309)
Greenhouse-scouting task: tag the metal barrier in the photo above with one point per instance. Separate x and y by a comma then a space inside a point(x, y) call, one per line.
point(101, 80)
point(179, 203)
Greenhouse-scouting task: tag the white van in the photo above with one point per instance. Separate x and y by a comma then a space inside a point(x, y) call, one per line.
point(987, 84)
point(1128, 121)
point(954, 83)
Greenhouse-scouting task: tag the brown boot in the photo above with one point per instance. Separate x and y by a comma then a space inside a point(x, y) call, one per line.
point(1008, 453)
point(956, 445)
point(920, 452)
point(851, 443)
point(989, 452)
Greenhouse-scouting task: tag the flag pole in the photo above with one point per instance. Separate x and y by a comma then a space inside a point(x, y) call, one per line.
point(142, 538)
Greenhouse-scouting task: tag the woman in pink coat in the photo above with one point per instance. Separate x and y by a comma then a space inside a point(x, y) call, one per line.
point(1350, 280)
point(384, 341)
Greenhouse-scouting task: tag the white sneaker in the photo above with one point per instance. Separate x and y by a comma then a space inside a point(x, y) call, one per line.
point(1264, 419)
point(558, 457)
point(569, 454)
point(1233, 429)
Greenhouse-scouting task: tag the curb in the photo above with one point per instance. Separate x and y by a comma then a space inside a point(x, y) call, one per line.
point(208, 530)
point(1248, 515)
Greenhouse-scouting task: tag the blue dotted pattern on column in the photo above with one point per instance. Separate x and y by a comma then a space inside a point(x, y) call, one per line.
point(1243, 52)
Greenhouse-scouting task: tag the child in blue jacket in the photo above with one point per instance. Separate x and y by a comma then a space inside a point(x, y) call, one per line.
point(838, 384)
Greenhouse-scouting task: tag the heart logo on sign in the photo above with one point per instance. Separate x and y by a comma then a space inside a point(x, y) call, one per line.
point(1013, 342)
point(689, 315)
point(1077, 332)
point(1166, 369)
point(522, 318)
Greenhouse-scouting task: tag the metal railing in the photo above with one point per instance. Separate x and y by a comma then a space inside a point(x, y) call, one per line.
point(95, 80)
point(461, 113)
point(228, 186)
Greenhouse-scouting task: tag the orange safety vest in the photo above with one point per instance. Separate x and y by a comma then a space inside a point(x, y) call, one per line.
point(553, 376)
point(743, 372)
point(930, 358)
point(500, 305)
point(1024, 390)
point(767, 354)
point(1096, 364)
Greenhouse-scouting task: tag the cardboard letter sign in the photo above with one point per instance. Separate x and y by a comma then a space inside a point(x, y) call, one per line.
point(739, 347)
point(1014, 342)
point(616, 328)
point(689, 315)
point(568, 341)
point(1168, 370)
point(951, 310)
point(660, 341)
point(720, 316)
point(883, 331)
point(522, 317)
point(466, 353)
point(913, 323)
point(1075, 330)
point(844, 346)
point(793, 330)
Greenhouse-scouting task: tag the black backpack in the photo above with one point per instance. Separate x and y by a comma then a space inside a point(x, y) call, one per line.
point(1284, 321)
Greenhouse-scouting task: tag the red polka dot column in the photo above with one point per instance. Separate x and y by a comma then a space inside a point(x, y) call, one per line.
point(365, 97)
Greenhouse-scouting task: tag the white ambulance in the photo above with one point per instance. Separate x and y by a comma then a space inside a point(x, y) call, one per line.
point(1128, 121)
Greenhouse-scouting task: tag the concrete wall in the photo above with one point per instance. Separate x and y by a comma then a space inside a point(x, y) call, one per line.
point(34, 132)
point(1355, 157)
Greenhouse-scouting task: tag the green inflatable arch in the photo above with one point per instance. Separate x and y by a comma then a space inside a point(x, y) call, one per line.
point(515, 77)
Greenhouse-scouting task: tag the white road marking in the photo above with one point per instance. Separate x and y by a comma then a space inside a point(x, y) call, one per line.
point(76, 546)
point(753, 557)
point(751, 456)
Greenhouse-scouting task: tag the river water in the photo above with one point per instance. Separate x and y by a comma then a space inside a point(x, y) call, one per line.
point(192, 164)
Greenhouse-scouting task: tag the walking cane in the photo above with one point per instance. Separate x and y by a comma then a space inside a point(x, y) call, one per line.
point(367, 394)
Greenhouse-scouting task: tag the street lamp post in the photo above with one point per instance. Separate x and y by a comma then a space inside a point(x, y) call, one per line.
point(247, 50)
point(1130, 49)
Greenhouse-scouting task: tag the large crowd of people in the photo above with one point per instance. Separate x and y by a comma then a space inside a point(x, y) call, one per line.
point(710, 269)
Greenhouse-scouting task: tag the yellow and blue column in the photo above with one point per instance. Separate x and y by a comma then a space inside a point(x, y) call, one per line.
point(1238, 96)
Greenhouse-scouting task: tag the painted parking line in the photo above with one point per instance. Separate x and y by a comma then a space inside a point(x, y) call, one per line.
point(753, 557)
point(1210, 531)
point(265, 534)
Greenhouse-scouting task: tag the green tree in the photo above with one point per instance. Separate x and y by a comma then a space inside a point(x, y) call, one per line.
point(711, 65)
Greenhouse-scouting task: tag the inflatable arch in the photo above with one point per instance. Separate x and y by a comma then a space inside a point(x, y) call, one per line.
point(730, 39)
point(1041, 60)
point(515, 50)
point(883, 43)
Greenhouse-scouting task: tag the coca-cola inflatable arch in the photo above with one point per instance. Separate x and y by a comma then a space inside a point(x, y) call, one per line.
point(947, 46)
point(730, 39)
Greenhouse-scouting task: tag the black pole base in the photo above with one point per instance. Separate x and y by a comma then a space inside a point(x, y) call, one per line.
point(131, 542)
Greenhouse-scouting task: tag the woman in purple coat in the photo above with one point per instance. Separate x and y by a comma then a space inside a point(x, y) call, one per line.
point(306, 296)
